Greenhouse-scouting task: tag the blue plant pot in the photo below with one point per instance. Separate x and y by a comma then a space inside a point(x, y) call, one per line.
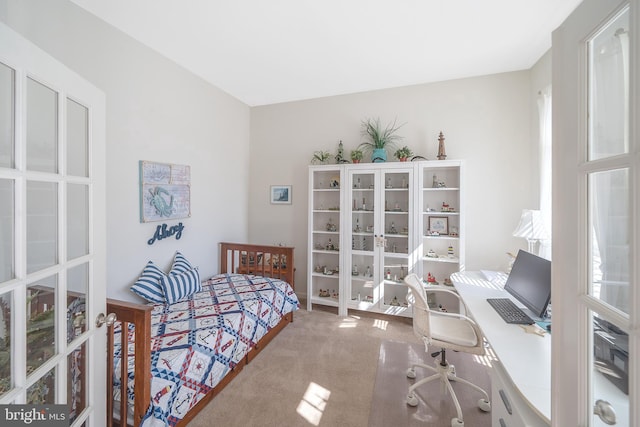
point(379, 155)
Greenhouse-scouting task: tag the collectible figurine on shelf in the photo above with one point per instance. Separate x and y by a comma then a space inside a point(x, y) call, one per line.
point(331, 226)
point(450, 252)
point(431, 279)
point(392, 229)
point(395, 302)
point(448, 282)
point(441, 152)
point(432, 254)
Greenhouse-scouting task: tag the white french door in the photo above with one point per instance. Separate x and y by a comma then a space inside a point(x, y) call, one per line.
point(52, 234)
point(596, 223)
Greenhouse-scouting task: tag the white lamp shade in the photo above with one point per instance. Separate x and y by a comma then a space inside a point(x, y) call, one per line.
point(531, 226)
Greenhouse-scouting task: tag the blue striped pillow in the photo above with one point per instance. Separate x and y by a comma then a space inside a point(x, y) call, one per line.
point(177, 287)
point(180, 264)
point(148, 284)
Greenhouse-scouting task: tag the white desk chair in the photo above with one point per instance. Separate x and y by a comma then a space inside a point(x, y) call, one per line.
point(447, 331)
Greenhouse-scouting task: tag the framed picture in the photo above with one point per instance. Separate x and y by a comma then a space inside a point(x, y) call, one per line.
point(165, 191)
point(281, 194)
point(439, 225)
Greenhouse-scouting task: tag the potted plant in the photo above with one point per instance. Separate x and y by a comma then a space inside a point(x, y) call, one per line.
point(403, 153)
point(320, 157)
point(379, 139)
point(356, 156)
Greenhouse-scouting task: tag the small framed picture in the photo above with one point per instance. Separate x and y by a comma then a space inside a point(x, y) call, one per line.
point(281, 194)
point(438, 225)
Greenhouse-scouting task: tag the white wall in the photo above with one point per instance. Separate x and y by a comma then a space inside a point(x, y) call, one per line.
point(156, 111)
point(485, 120)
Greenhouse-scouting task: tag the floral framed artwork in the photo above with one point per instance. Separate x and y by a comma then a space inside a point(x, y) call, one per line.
point(280, 194)
point(438, 225)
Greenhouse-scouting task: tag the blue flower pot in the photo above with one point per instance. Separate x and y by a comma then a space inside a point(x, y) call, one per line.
point(379, 155)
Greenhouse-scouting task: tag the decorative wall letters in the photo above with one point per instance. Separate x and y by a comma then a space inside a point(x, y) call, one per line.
point(163, 232)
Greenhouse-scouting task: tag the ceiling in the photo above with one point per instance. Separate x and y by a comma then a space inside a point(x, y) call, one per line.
point(266, 52)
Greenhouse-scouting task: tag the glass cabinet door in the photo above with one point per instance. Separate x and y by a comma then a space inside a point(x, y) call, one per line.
point(364, 291)
point(397, 227)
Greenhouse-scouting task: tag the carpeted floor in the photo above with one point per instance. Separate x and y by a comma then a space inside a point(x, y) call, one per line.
point(321, 370)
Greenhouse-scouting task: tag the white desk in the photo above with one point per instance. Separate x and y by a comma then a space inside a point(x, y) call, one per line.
point(525, 357)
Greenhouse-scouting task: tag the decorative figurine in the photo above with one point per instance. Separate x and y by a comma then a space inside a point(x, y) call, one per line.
point(331, 226)
point(392, 229)
point(441, 154)
point(432, 254)
point(395, 302)
point(431, 279)
point(450, 251)
point(368, 272)
point(354, 272)
point(340, 154)
point(448, 282)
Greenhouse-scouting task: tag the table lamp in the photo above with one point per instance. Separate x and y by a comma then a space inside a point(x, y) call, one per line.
point(532, 228)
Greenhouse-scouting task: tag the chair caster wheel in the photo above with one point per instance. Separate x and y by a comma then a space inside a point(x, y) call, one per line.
point(411, 373)
point(457, 422)
point(484, 405)
point(412, 400)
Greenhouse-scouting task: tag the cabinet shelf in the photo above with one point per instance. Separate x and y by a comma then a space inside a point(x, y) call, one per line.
point(439, 213)
point(441, 189)
point(442, 258)
point(441, 237)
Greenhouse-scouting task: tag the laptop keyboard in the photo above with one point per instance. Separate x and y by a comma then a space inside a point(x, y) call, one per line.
point(509, 312)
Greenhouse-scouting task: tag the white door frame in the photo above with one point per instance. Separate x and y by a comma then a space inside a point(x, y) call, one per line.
point(30, 61)
point(572, 358)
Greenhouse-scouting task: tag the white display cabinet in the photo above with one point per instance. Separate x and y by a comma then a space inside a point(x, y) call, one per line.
point(441, 225)
point(325, 244)
point(378, 223)
point(384, 229)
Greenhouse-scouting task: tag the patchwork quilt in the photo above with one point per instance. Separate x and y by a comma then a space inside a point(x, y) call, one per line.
point(196, 342)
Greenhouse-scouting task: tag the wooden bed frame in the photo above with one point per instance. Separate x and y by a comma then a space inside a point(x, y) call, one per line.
point(268, 261)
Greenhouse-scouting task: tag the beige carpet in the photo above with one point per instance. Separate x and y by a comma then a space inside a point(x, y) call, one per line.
point(319, 371)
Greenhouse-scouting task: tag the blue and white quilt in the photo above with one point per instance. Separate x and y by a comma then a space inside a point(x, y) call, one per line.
point(196, 342)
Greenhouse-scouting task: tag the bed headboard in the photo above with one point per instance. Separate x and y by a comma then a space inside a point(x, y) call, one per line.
point(268, 261)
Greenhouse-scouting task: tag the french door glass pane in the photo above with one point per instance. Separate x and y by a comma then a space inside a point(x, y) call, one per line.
point(611, 369)
point(42, 128)
point(6, 373)
point(77, 139)
point(76, 382)
point(7, 235)
point(609, 89)
point(41, 338)
point(43, 391)
point(77, 220)
point(42, 225)
point(609, 241)
point(7, 114)
point(77, 285)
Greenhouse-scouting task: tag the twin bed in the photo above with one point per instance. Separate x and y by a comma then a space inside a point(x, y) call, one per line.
point(184, 353)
